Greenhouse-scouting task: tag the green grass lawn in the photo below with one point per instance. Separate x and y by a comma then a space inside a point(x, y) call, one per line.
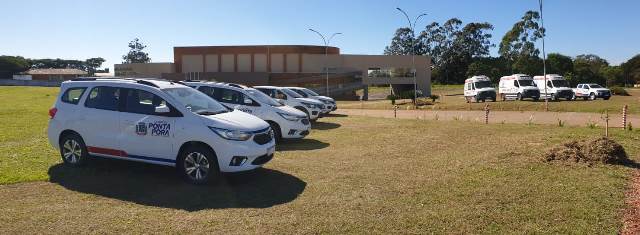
point(452, 98)
point(351, 175)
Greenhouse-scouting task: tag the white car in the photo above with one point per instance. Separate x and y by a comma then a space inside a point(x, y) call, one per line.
point(311, 107)
point(479, 88)
point(157, 122)
point(591, 91)
point(286, 122)
point(556, 87)
point(329, 103)
point(519, 87)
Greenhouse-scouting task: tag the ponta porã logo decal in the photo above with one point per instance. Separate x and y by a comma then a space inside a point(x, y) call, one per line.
point(159, 128)
point(141, 128)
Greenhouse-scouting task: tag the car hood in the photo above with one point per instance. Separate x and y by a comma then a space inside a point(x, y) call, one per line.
point(327, 98)
point(235, 120)
point(309, 100)
point(292, 111)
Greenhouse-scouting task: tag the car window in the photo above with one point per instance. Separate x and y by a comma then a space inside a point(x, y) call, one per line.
point(515, 83)
point(103, 97)
point(143, 102)
point(549, 83)
point(210, 91)
point(268, 92)
point(231, 96)
point(291, 93)
point(281, 95)
point(300, 92)
point(73, 95)
point(310, 92)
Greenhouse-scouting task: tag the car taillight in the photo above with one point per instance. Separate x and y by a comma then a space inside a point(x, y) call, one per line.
point(52, 112)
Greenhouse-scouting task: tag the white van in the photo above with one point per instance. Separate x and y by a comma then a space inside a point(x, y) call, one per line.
point(311, 107)
point(478, 88)
point(518, 86)
point(156, 122)
point(329, 103)
point(556, 87)
point(286, 122)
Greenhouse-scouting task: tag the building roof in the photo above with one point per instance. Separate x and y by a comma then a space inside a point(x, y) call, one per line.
point(56, 72)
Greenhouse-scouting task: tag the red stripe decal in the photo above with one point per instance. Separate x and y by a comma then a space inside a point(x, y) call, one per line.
point(113, 152)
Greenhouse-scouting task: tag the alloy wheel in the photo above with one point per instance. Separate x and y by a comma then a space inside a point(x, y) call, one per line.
point(196, 166)
point(71, 151)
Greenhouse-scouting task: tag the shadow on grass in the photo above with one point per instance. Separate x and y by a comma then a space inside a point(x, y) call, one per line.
point(335, 115)
point(324, 125)
point(160, 186)
point(300, 144)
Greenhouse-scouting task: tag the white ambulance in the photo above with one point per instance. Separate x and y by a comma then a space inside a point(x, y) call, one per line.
point(479, 88)
point(286, 122)
point(519, 87)
point(556, 87)
point(156, 122)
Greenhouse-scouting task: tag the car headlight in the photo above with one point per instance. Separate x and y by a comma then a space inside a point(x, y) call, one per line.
point(232, 134)
point(289, 117)
point(309, 105)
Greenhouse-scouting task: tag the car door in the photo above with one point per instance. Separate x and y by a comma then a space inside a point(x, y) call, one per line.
point(145, 134)
point(238, 100)
point(98, 123)
point(467, 90)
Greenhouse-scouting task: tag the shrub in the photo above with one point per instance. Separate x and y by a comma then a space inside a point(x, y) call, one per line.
point(409, 95)
point(434, 98)
point(619, 91)
point(393, 98)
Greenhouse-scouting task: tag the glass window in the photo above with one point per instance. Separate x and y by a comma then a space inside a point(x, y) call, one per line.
point(310, 92)
point(196, 102)
point(268, 92)
point(291, 93)
point(210, 91)
point(263, 98)
point(73, 95)
point(143, 102)
point(103, 97)
point(549, 84)
point(230, 96)
point(482, 84)
point(560, 83)
point(595, 86)
point(300, 92)
point(526, 82)
point(515, 83)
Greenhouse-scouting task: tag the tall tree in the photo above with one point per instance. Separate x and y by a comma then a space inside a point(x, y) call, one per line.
point(631, 70)
point(136, 53)
point(559, 64)
point(93, 64)
point(493, 67)
point(401, 43)
point(587, 68)
point(518, 44)
point(10, 65)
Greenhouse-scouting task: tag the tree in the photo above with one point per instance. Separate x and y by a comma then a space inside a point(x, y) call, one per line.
point(518, 44)
point(631, 70)
point(10, 65)
point(559, 64)
point(401, 43)
point(613, 75)
point(57, 64)
point(493, 67)
point(587, 69)
point(136, 53)
point(93, 64)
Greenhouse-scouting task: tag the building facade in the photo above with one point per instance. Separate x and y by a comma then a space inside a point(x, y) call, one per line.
point(289, 65)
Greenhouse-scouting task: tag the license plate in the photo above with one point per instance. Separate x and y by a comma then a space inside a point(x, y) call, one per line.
point(271, 150)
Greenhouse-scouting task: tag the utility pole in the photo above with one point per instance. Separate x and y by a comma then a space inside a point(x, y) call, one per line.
point(326, 56)
point(544, 61)
point(413, 51)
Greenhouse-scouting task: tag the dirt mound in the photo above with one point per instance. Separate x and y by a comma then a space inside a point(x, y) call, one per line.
point(600, 150)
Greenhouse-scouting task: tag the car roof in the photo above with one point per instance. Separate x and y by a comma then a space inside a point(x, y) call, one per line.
point(220, 84)
point(153, 82)
point(269, 87)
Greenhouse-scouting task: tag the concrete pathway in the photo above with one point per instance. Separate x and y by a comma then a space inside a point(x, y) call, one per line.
point(536, 117)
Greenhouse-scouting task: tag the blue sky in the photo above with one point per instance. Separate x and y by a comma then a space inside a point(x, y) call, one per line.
point(83, 29)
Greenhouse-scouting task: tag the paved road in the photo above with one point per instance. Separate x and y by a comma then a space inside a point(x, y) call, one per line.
point(569, 118)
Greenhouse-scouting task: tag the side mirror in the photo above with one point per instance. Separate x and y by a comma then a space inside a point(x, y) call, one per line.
point(248, 101)
point(162, 109)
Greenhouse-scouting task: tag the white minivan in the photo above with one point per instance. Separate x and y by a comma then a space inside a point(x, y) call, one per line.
point(329, 103)
point(479, 88)
point(556, 87)
point(286, 122)
point(157, 122)
point(311, 107)
point(518, 86)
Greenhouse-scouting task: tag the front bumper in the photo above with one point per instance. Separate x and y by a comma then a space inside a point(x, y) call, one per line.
point(249, 149)
point(296, 130)
point(603, 94)
point(564, 94)
point(487, 95)
point(531, 94)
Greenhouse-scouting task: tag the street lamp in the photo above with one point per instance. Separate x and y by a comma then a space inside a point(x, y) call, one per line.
point(544, 62)
point(413, 52)
point(326, 57)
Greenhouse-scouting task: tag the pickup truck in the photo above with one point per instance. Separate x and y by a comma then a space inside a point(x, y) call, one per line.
point(591, 91)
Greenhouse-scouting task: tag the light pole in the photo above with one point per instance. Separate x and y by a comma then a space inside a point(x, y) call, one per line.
point(544, 62)
point(413, 51)
point(326, 56)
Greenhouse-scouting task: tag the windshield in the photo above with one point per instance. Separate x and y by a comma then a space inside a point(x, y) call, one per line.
point(310, 92)
point(197, 102)
point(560, 83)
point(291, 93)
point(263, 98)
point(300, 92)
point(525, 82)
point(595, 86)
point(482, 84)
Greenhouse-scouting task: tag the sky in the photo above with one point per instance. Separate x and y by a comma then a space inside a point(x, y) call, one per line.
point(71, 29)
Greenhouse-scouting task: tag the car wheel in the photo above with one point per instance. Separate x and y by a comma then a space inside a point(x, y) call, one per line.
point(73, 150)
point(519, 96)
point(503, 97)
point(475, 98)
point(553, 97)
point(573, 97)
point(199, 165)
point(276, 130)
point(493, 99)
point(592, 96)
point(536, 98)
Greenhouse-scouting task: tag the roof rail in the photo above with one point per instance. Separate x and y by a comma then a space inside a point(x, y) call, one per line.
point(234, 85)
point(179, 82)
point(83, 79)
point(148, 83)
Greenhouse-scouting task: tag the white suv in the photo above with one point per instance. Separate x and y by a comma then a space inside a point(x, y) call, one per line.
point(311, 107)
point(329, 103)
point(286, 122)
point(157, 122)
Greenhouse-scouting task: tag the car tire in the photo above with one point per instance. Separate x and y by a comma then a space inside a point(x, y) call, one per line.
point(198, 165)
point(73, 150)
point(592, 96)
point(493, 99)
point(276, 131)
point(503, 97)
point(553, 97)
point(573, 97)
point(476, 99)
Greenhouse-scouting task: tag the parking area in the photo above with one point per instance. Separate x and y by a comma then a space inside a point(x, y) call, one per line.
point(352, 174)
